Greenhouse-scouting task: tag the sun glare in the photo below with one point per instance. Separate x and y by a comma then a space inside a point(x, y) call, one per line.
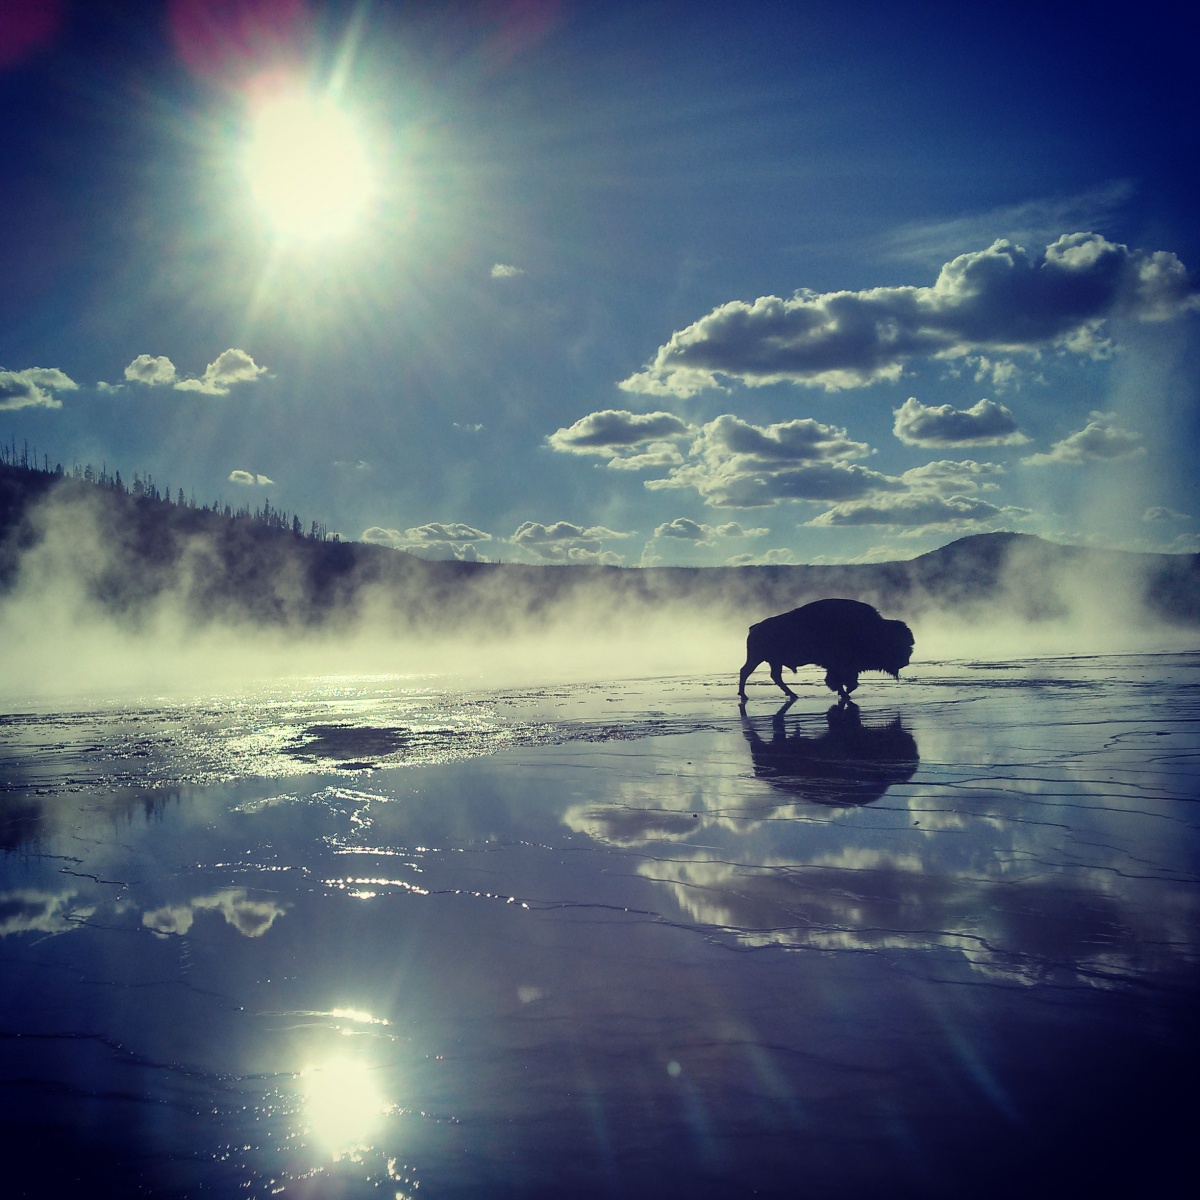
point(343, 1105)
point(308, 167)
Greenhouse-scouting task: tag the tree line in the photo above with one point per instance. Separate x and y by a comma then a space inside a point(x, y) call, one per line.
point(144, 488)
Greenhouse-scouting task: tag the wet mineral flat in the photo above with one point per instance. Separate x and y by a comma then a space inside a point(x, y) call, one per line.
point(354, 937)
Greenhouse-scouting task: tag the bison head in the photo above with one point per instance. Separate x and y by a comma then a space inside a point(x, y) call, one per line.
point(895, 647)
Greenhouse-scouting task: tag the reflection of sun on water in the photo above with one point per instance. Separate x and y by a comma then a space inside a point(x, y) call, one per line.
point(307, 166)
point(343, 1105)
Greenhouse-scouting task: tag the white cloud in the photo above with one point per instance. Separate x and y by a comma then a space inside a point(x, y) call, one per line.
point(455, 531)
point(945, 477)
point(154, 372)
point(229, 367)
point(734, 464)
point(655, 456)
point(685, 529)
point(722, 485)
point(596, 556)
point(34, 387)
point(1099, 441)
point(1001, 372)
point(999, 300)
point(1158, 513)
point(1089, 341)
point(940, 496)
point(533, 533)
point(563, 541)
point(249, 479)
point(377, 535)
point(434, 540)
point(780, 556)
point(630, 441)
point(921, 510)
point(733, 529)
point(505, 271)
point(787, 442)
point(984, 424)
point(49, 377)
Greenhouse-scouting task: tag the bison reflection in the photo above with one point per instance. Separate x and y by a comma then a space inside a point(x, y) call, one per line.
point(850, 763)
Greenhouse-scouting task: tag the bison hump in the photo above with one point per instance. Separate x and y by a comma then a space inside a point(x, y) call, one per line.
point(837, 610)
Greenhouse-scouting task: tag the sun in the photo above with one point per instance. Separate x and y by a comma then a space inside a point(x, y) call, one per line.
point(307, 166)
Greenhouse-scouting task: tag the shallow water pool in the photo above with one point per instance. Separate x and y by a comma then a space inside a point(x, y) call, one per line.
point(362, 937)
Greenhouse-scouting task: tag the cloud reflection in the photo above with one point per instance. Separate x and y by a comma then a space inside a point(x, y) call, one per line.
point(618, 825)
point(28, 910)
point(251, 918)
point(1017, 873)
point(847, 764)
point(1069, 927)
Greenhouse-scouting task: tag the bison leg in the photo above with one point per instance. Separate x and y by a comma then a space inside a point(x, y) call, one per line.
point(842, 681)
point(751, 663)
point(845, 685)
point(777, 677)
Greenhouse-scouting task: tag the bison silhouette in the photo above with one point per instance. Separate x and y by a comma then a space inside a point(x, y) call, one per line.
point(846, 637)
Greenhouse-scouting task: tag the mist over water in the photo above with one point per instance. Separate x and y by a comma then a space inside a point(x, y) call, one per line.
point(87, 613)
point(57, 654)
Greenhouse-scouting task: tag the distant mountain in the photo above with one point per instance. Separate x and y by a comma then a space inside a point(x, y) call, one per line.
point(130, 550)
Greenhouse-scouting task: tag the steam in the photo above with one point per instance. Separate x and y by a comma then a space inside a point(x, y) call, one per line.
point(85, 613)
point(1089, 605)
point(61, 638)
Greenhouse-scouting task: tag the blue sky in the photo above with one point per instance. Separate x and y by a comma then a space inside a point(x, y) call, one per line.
point(646, 283)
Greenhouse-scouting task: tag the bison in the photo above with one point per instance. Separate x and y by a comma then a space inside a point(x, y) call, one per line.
point(846, 637)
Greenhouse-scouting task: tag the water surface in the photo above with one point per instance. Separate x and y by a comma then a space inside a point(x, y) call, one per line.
point(360, 937)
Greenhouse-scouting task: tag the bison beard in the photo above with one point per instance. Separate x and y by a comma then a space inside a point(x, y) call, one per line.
point(846, 637)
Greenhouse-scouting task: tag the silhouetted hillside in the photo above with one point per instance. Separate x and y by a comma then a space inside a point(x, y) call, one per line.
point(129, 551)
